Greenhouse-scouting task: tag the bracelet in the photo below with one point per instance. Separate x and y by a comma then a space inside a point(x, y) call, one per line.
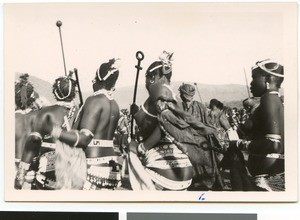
point(77, 138)
point(56, 132)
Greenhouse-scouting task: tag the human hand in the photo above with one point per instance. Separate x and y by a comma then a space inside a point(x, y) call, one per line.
point(133, 147)
point(134, 109)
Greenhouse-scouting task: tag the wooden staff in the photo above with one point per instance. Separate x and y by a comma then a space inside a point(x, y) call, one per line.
point(139, 56)
point(78, 87)
point(247, 86)
point(198, 92)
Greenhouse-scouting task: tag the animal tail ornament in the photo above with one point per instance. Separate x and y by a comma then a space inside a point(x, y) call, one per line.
point(70, 167)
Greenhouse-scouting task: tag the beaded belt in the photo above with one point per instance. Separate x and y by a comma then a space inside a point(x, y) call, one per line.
point(101, 143)
point(99, 160)
point(273, 156)
point(47, 162)
point(49, 145)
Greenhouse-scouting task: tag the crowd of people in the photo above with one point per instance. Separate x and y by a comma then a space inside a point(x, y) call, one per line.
point(177, 143)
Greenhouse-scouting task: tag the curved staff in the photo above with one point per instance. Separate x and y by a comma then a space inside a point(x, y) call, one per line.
point(59, 24)
point(139, 56)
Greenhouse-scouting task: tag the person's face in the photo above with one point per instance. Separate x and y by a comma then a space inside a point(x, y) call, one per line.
point(258, 84)
point(186, 98)
point(151, 79)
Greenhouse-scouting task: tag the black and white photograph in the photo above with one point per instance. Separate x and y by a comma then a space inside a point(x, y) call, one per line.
point(150, 102)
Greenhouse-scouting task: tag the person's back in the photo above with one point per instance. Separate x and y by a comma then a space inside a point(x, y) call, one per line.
point(105, 124)
point(96, 124)
point(41, 146)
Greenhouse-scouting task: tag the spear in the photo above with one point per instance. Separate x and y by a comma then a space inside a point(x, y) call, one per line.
point(59, 24)
point(139, 56)
point(247, 84)
point(198, 92)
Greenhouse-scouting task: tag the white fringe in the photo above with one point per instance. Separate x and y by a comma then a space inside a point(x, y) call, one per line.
point(70, 167)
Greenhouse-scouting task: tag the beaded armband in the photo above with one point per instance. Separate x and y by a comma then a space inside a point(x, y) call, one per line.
point(77, 138)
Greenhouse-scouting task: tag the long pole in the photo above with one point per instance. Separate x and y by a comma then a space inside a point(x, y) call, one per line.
point(59, 24)
point(247, 86)
point(198, 92)
point(78, 86)
point(139, 56)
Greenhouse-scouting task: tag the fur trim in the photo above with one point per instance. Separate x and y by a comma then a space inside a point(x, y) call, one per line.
point(70, 167)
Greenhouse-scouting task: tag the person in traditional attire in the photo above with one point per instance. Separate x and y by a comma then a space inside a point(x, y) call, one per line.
point(42, 153)
point(24, 106)
point(160, 161)
point(207, 174)
point(96, 124)
point(220, 121)
point(123, 131)
point(26, 98)
point(266, 130)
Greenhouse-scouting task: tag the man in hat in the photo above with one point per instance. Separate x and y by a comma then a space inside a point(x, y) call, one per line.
point(97, 123)
point(207, 176)
point(25, 96)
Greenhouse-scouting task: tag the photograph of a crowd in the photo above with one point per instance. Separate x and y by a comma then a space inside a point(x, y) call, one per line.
point(148, 97)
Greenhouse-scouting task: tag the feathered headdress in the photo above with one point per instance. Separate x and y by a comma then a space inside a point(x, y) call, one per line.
point(57, 86)
point(111, 67)
point(166, 63)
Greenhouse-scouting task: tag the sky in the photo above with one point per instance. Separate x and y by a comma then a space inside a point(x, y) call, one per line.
point(212, 43)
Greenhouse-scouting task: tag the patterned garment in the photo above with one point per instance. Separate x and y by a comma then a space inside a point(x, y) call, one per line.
point(102, 172)
point(270, 183)
point(164, 167)
point(45, 177)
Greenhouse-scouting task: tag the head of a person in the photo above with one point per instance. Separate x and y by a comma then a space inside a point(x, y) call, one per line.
point(107, 75)
point(124, 111)
point(187, 92)
point(23, 94)
point(24, 78)
point(234, 110)
point(266, 74)
point(64, 89)
point(215, 104)
point(160, 71)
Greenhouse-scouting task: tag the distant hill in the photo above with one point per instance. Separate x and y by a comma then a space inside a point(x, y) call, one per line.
point(230, 94)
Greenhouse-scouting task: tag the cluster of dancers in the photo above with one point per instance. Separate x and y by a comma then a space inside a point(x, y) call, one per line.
point(178, 143)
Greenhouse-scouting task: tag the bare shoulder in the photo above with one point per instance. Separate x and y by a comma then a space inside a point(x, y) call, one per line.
point(270, 100)
point(95, 102)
